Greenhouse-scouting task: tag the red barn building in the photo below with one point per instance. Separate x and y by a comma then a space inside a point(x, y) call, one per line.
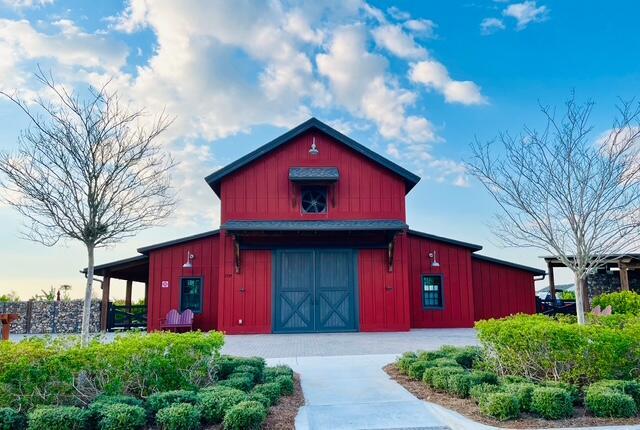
point(313, 238)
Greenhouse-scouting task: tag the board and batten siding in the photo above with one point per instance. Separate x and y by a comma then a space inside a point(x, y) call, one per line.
point(455, 267)
point(500, 290)
point(165, 264)
point(262, 190)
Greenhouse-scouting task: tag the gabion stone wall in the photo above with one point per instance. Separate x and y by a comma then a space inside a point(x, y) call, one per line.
point(603, 282)
point(50, 317)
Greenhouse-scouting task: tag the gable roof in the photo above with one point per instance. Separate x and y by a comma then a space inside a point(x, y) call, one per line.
point(472, 246)
point(146, 249)
point(216, 177)
point(533, 270)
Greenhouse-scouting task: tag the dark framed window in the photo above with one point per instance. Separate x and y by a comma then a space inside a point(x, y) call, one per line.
point(191, 295)
point(432, 292)
point(314, 200)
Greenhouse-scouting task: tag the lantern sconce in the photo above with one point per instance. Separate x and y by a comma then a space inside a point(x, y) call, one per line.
point(188, 264)
point(433, 255)
point(314, 149)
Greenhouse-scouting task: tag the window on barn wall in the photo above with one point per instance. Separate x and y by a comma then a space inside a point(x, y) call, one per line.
point(314, 200)
point(432, 291)
point(191, 295)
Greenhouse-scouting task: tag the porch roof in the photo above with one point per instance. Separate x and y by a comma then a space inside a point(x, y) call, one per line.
point(607, 259)
point(130, 269)
point(316, 174)
point(349, 225)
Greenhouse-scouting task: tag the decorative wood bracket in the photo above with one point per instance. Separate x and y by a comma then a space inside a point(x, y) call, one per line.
point(333, 195)
point(236, 254)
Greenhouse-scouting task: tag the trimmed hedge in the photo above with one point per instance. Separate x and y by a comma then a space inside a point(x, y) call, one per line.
point(58, 418)
point(227, 364)
point(483, 377)
point(623, 302)
point(551, 403)
point(467, 357)
point(247, 415)
point(271, 390)
point(119, 416)
point(158, 401)
point(271, 373)
point(523, 392)
point(117, 399)
point(501, 406)
point(240, 381)
point(459, 384)
point(214, 402)
point(286, 384)
point(10, 419)
point(260, 398)
point(478, 392)
point(180, 416)
point(604, 402)
point(540, 348)
point(440, 376)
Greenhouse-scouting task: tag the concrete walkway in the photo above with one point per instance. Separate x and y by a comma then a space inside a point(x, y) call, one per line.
point(353, 392)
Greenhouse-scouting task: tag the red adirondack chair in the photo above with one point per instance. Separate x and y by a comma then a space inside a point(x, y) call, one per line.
point(175, 321)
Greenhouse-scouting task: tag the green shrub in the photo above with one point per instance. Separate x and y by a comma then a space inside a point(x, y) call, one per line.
point(405, 360)
point(427, 375)
point(158, 401)
point(260, 398)
point(227, 364)
point(501, 406)
point(459, 384)
point(440, 378)
point(523, 391)
point(630, 388)
point(41, 371)
point(574, 391)
point(417, 368)
point(468, 356)
point(445, 362)
point(119, 416)
point(10, 419)
point(478, 392)
point(623, 302)
point(540, 348)
point(214, 402)
point(250, 370)
point(271, 373)
point(512, 379)
point(430, 355)
point(551, 403)
point(245, 416)
point(271, 390)
point(58, 418)
point(240, 381)
point(179, 416)
point(113, 399)
point(483, 377)
point(607, 402)
point(286, 384)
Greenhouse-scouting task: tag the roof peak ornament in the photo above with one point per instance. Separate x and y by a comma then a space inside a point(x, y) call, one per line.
point(314, 149)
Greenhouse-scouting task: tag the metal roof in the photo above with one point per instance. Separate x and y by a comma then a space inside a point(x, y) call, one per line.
point(133, 268)
point(471, 246)
point(351, 225)
point(216, 177)
point(146, 249)
point(300, 174)
point(509, 264)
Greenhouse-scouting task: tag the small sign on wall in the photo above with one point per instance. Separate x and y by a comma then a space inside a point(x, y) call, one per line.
point(165, 284)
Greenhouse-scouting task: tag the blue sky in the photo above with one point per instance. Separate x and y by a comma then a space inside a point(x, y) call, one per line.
point(416, 81)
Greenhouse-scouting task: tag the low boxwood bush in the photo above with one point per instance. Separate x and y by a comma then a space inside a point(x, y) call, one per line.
point(403, 362)
point(113, 399)
point(158, 401)
point(440, 378)
point(286, 384)
point(58, 418)
point(249, 370)
point(417, 368)
point(271, 373)
point(459, 384)
point(501, 406)
point(574, 391)
point(271, 390)
point(478, 392)
point(260, 398)
point(445, 362)
point(227, 364)
point(523, 391)
point(468, 356)
point(215, 401)
point(10, 419)
point(606, 402)
point(551, 403)
point(630, 388)
point(483, 377)
point(427, 375)
point(180, 416)
point(512, 379)
point(623, 302)
point(240, 381)
point(119, 416)
point(247, 415)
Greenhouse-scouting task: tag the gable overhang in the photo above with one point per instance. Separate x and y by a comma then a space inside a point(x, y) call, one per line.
point(216, 177)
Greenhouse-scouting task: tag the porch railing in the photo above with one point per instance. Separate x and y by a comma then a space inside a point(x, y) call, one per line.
point(123, 317)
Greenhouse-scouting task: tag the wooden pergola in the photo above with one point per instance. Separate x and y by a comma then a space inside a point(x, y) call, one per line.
point(134, 269)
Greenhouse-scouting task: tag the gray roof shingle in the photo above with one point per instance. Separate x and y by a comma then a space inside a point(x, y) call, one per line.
point(314, 174)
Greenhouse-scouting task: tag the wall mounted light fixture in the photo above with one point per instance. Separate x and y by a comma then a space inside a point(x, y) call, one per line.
point(433, 255)
point(188, 264)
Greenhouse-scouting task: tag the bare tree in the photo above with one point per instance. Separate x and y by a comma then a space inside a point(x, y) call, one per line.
point(86, 169)
point(564, 190)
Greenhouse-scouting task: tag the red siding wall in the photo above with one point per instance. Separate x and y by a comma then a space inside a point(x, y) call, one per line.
point(455, 265)
point(245, 297)
point(501, 290)
point(166, 265)
point(384, 295)
point(262, 189)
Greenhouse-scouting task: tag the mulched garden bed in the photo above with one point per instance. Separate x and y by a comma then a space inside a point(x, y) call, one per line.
point(468, 408)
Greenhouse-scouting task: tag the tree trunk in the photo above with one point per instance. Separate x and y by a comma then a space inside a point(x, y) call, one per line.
point(580, 299)
point(88, 293)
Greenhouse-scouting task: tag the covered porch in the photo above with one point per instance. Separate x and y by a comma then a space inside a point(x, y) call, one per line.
point(126, 315)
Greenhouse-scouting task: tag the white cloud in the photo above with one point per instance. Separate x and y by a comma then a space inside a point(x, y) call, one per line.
point(422, 27)
point(526, 13)
point(398, 14)
point(491, 25)
point(25, 4)
point(434, 75)
point(399, 43)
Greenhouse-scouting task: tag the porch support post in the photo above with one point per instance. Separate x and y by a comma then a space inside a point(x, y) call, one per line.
point(127, 297)
point(552, 282)
point(624, 276)
point(104, 311)
point(146, 293)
